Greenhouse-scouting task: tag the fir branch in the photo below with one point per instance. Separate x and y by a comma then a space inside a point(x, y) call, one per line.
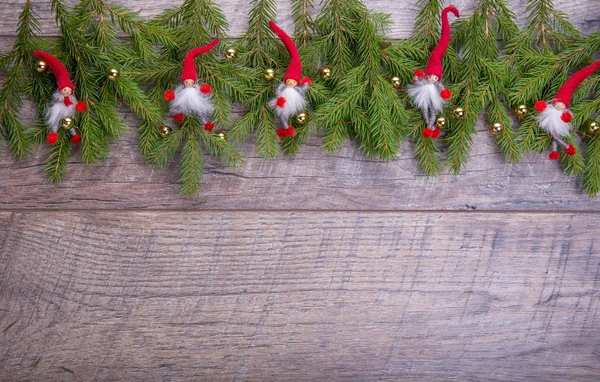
point(302, 21)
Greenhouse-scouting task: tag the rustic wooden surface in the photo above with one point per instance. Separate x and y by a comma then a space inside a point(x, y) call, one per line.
point(314, 268)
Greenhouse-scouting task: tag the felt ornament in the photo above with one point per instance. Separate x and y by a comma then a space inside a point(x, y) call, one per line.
point(190, 98)
point(64, 102)
point(428, 93)
point(555, 116)
point(290, 96)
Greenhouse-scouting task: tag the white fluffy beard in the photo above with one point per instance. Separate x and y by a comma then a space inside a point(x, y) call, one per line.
point(58, 110)
point(191, 101)
point(426, 96)
point(294, 103)
point(550, 121)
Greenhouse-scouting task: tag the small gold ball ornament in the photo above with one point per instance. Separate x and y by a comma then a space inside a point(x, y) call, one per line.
point(496, 128)
point(325, 73)
point(222, 135)
point(302, 118)
point(396, 82)
point(440, 122)
point(67, 123)
point(231, 54)
point(113, 74)
point(165, 131)
point(269, 74)
point(41, 66)
point(593, 127)
point(458, 113)
point(521, 111)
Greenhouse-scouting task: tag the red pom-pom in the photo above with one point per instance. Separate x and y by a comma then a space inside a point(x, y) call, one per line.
point(205, 89)
point(281, 133)
point(446, 94)
point(419, 73)
point(540, 106)
point(566, 117)
point(178, 117)
point(554, 155)
point(290, 131)
point(81, 106)
point(75, 138)
point(169, 95)
point(209, 126)
point(305, 80)
point(67, 101)
point(281, 102)
point(435, 134)
point(52, 138)
point(427, 132)
point(570, 150)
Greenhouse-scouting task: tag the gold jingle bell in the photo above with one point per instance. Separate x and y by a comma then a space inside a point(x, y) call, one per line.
point(521, 111)
point(458, 113)
point(325, 73)
point(165, 131)
point(593, 127)
point(222, 135)
point(41, 66)
point(302, 118)
point(440, 122)
point(67, 123)
point(496, 128)
point(269, 74)
point(230, 54)
point(396, 82)
point(113, 74)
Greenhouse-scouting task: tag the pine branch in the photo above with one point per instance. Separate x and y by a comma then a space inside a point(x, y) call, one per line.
point(302, 21)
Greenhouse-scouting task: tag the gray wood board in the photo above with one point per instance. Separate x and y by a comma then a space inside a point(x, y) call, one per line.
point(299, 296)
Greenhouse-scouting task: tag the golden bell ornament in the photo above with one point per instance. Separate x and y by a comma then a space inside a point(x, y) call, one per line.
point(396, 82)
point(41, 66)
point(231, 54)
point(521, 111)
point(325, 73)
point(113, 74)
point(67, 123)
point(593, 127)
point(302, 118)
point(269, 74)
point(165, 131)
point(222, 135)
point(458, 113)
point(496, 128)
point(440, 122)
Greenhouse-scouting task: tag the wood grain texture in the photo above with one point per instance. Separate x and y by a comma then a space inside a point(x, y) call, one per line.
point(299, 296)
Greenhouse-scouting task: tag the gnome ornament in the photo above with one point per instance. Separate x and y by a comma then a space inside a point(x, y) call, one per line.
point(190, 98)
point(554, 118)
point(428, 93)
point(290, 96)
point(64, 102)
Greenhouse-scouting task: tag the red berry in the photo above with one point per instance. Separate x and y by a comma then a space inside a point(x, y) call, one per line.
point(281, 102)
point(81, 106)
point(169, 95)
point(554, 155)
point(75, 138)
point(205, 89)
point(446, 94)
point(52, 138)
point(566, 117)
point(570, 150)
point(540, 106)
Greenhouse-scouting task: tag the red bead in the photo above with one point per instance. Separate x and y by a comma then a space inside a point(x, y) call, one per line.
point(178, 117)
point(209, 126)
point(540, 106)
point(566, 117)
point(52, 138)
point(81, 106)
point(205, 89)
point(446, 94)
point(169, 95)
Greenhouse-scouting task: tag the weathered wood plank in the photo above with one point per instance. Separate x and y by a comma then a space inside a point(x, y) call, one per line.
point(583, 13)
point(299, 296)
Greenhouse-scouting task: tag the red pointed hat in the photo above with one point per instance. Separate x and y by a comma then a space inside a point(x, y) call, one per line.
point(189, 66)
point(294, 70)
point(566, 91)
point(59, 70)
point(434, 65)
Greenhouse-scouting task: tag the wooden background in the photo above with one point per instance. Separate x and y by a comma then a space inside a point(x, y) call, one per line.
point(322, 267)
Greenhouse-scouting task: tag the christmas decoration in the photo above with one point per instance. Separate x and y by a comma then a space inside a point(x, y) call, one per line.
point(165, 131)
point(41, 66)
point(222, 135)
point(427, 92)
point(396, 82)
point(302, 118)
point(458, 113)
point(290, 96)
point(64, 102)
point(555, 117)
point(113, 74)
point(440, 123)
point(496, 127)
point(269, 74)
point(325, 73)
point(593, 127)
point(231, 54)
point(521, 111)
